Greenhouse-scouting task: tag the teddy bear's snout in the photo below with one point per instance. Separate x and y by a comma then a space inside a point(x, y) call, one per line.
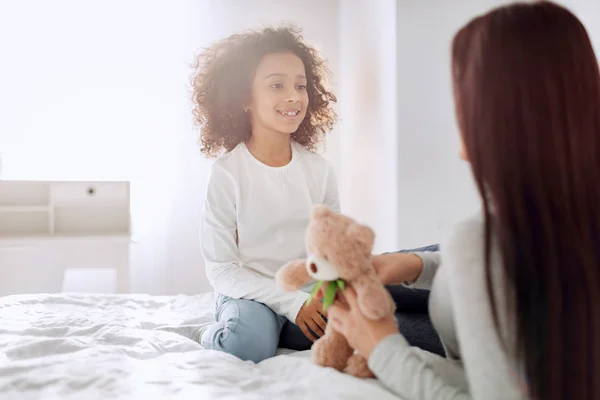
point(320, 269)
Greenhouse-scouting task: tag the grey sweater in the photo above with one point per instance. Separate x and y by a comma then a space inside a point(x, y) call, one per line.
point(476, 366)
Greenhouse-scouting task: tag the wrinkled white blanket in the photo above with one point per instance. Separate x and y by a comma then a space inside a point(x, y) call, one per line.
point(81, 346)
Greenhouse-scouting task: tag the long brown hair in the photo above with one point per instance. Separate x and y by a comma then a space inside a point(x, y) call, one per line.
point(527, 92)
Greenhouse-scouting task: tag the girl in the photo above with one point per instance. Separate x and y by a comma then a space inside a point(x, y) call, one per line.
point(261, 98)
point(516, 299)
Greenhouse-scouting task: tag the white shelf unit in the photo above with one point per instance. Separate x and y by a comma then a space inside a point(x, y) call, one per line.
point(47, 227)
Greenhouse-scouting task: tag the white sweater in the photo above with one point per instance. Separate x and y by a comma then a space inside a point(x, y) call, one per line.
point(255, 220)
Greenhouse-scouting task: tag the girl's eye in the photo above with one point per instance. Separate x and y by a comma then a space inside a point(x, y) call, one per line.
point(277, 86)
point(301, 87)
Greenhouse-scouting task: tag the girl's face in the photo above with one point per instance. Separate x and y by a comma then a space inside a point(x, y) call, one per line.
point(279, 98)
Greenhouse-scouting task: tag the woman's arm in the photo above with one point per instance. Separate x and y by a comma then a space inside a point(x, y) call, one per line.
point(484, 371)
point(489, 373)
point(415, 374)
point(409, 372)
point(415, 270)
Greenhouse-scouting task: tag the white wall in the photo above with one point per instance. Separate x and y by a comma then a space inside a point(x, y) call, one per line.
point(435, 186)
point(98, 90)
point(368, 162)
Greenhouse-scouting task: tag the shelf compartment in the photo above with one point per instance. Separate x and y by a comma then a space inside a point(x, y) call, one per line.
point(24, 193)
point(91, 220)
point(25, 222)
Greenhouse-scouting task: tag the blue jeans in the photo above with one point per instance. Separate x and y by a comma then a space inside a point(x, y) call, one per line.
point(251, 331)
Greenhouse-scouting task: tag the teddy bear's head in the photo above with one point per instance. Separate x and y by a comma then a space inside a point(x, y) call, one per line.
point(338, 247)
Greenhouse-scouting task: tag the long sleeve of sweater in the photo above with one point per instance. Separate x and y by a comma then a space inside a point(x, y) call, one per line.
point(484, 370)
point(431, 262)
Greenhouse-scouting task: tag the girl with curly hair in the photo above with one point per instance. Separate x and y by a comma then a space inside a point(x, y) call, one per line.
point(262, 107)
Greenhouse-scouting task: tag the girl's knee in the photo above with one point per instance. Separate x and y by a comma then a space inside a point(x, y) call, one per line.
point(250, 347)
point(247, 331)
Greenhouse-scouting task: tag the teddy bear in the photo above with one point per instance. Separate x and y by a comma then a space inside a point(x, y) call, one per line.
point(339, 251)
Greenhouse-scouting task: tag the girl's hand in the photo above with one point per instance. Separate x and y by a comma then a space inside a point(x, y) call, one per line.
point(397, 268)
point(361, 333)
point(312, 316)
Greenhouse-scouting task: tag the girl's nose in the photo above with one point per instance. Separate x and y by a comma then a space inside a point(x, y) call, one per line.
point(292, 96)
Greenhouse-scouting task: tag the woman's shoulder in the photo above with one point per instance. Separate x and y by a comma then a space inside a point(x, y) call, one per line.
point(464, 254)
point(464, 246)
point(470, 229)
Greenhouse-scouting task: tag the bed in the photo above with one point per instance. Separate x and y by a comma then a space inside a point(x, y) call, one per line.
point(83, 346)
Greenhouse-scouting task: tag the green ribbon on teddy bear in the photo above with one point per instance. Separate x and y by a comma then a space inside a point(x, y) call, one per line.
point(330, 291)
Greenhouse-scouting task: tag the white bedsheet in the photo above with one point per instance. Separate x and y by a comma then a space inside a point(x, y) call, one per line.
point(69, 346)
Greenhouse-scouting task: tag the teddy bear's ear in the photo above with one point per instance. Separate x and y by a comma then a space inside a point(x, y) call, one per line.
point(362, 234)
point(320, 211)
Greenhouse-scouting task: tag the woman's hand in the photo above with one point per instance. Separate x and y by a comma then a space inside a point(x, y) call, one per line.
point(397, 268)
point(312, 316)
point(362, 334)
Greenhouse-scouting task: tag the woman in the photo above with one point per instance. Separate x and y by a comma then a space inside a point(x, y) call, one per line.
point(516, 297)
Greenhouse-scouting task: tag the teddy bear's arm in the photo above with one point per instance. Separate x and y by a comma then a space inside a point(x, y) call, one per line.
point(293, 275)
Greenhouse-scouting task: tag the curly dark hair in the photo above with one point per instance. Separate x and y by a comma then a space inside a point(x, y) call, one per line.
point(222, 81)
